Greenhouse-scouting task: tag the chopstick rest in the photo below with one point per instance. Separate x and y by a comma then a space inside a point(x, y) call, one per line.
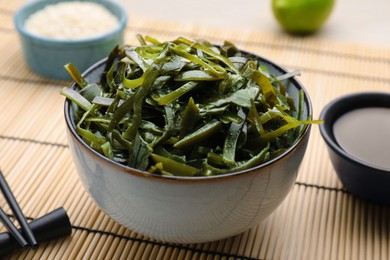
point(50, 226)
point(13, 204)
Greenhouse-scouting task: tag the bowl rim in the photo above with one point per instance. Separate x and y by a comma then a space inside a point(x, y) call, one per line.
point(326, 128)
point(133, 171)
point(19, 23)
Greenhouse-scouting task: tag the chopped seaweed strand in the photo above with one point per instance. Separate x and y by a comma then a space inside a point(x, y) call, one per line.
point(187, 108)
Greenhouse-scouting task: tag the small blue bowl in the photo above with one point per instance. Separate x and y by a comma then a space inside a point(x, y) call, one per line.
point(358, 177)
point(47, 56)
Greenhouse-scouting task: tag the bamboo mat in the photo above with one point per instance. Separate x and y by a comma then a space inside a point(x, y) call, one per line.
point(318, 220)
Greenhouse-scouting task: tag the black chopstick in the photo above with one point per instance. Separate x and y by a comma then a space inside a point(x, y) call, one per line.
point(12, 229)
point(13, 204)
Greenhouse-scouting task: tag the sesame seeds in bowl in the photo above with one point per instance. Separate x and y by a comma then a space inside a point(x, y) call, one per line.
point(88, 38)
point(60, 21)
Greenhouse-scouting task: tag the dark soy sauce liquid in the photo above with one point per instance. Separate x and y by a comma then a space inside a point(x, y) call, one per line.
point(364, 133)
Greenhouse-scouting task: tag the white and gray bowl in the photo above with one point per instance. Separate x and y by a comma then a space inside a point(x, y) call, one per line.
point(187, 209)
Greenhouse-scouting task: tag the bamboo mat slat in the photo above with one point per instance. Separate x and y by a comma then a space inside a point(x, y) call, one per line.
point(318, 220)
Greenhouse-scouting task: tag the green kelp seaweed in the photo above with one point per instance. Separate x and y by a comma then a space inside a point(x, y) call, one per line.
point(186, 108)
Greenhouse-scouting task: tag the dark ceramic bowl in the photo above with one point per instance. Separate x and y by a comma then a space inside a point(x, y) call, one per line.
point(359, 177)
point(187, 209)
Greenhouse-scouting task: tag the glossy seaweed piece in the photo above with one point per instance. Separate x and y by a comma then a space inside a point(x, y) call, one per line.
point(187, 108)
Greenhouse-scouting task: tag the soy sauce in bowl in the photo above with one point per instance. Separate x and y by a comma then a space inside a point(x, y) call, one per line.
point(356, 130)
point(365, 134)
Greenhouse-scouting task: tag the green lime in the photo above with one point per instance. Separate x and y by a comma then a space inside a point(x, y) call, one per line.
point(302, 16)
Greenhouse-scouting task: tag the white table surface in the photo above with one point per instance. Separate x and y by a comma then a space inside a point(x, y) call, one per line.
point(358, 21)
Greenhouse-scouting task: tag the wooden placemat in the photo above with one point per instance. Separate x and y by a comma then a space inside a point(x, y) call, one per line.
point(318, 220)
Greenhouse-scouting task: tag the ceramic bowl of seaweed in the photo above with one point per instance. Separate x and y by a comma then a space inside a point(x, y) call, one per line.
point(177, 140)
